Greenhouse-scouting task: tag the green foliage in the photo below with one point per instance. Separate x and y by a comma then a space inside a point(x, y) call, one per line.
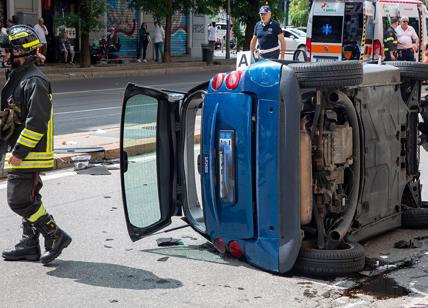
point(71, 20)
point(244, 10)
point(299, 10)
point(90, 13)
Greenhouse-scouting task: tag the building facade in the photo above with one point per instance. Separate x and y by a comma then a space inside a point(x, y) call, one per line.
point(189, 31)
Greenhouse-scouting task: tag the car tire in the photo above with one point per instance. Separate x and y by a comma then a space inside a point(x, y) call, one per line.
point(411, 70)
point(415, 218)
point(318, 262)
point(300, 52)
point(332, 74)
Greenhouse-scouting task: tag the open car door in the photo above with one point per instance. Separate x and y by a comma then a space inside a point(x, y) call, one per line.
point(159, 147)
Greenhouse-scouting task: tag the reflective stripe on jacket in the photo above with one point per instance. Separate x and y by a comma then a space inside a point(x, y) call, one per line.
point(31, 141)
point(390, 40)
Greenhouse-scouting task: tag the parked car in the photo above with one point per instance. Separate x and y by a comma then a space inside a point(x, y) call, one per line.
point(285, 166)
point(295, 44)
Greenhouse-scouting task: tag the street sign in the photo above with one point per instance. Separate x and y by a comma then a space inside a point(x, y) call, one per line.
point(243, 60)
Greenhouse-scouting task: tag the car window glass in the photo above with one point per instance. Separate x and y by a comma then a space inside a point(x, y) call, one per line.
point(288, 34)
point(353, 28)
point(298, 32)
point(327, 29)
point(139, 141)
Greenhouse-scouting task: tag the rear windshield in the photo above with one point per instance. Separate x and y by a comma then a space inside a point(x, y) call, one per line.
point(327, 29)
point(353, 29)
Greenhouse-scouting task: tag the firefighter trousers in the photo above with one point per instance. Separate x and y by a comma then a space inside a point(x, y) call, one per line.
point(23, 192)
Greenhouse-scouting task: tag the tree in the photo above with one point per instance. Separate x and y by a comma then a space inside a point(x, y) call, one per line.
point(299, 12)
point(165, 9)
point(90, 13)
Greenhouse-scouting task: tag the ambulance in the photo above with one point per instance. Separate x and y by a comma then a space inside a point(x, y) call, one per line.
point(354, 30)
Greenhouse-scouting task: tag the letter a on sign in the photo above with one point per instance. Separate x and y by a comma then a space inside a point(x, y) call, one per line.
point(243, 60)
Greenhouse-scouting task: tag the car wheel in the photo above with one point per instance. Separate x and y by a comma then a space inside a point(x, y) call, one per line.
point(349, 258)
point(415, 218)
point(411, 70)
point(332, 74)
point(300, 54)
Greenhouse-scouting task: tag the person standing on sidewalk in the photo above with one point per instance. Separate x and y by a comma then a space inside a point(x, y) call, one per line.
point(212, 34)
point(407, 40)
point(41, 32)
point(143, 42)
point(267, 33)
point(26, 100)
point(158, 37)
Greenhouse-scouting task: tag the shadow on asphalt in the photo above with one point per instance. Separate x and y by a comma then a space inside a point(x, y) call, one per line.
point(205, 253)
point(109, 275)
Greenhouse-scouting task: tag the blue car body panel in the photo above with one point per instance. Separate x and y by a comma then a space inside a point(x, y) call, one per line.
point(264, 114)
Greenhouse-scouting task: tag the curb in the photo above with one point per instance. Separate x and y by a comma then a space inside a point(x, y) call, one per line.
point(112, 151)
point(58, 74)
point(131, 73)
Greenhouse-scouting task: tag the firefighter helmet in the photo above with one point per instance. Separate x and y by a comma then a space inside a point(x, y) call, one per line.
point(23, 38)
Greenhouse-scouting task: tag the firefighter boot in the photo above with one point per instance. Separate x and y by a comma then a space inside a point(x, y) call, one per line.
point(55, 239)
point(28, 248)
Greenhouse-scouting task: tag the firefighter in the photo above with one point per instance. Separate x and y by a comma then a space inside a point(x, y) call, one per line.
point(390, 41)
point(26, 128)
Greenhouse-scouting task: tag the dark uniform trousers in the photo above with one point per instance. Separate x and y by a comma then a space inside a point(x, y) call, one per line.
point(31, 141)
point(23, 192)
point(271, 55)
point(390, 44)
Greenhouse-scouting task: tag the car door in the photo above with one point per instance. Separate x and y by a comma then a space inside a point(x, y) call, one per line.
point(152, 156)
point(290, 42)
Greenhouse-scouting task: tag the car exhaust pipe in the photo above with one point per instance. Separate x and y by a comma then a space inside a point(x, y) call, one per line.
point(306, 196)
point(336, 235)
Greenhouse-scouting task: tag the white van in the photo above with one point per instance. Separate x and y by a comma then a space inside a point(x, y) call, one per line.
point(359, 25)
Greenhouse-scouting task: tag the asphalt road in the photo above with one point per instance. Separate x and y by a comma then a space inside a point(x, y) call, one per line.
point(84, 105)
point(103, 268)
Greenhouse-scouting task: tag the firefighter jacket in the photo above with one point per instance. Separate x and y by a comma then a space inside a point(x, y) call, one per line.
point(32, 138)
point(390, 42)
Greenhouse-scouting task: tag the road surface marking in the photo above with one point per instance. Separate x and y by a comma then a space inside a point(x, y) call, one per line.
point(123, 88)
point(55, 175)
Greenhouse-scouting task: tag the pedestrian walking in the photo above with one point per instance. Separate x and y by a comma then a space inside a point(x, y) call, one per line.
point(143, 42)
point(407, 40)
point(267, 33)
point(158, 37)
point(390, 40)
point(41, 32)
point(27, 136)
point(212, 34)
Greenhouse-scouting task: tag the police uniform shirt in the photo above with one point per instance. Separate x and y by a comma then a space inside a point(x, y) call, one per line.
point(267, 35)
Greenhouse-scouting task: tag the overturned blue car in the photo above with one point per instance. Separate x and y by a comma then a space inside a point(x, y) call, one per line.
point(285, 165)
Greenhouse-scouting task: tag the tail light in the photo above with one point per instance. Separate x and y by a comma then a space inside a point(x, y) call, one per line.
point(233, 79)
point(235, 249)
point(368, 47)
point(377, 48)
point(220, 245)
point(218, 81)
point(309, 47)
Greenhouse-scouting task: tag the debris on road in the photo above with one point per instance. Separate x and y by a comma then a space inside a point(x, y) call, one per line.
point(408, 244)
point(169, 241)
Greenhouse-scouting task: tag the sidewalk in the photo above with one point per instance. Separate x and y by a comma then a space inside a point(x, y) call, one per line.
point(56, 71)
point(107, 139)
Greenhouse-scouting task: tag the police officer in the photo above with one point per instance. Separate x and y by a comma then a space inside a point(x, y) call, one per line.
point(27, 97)
point(267, 32)
point(390, 41)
